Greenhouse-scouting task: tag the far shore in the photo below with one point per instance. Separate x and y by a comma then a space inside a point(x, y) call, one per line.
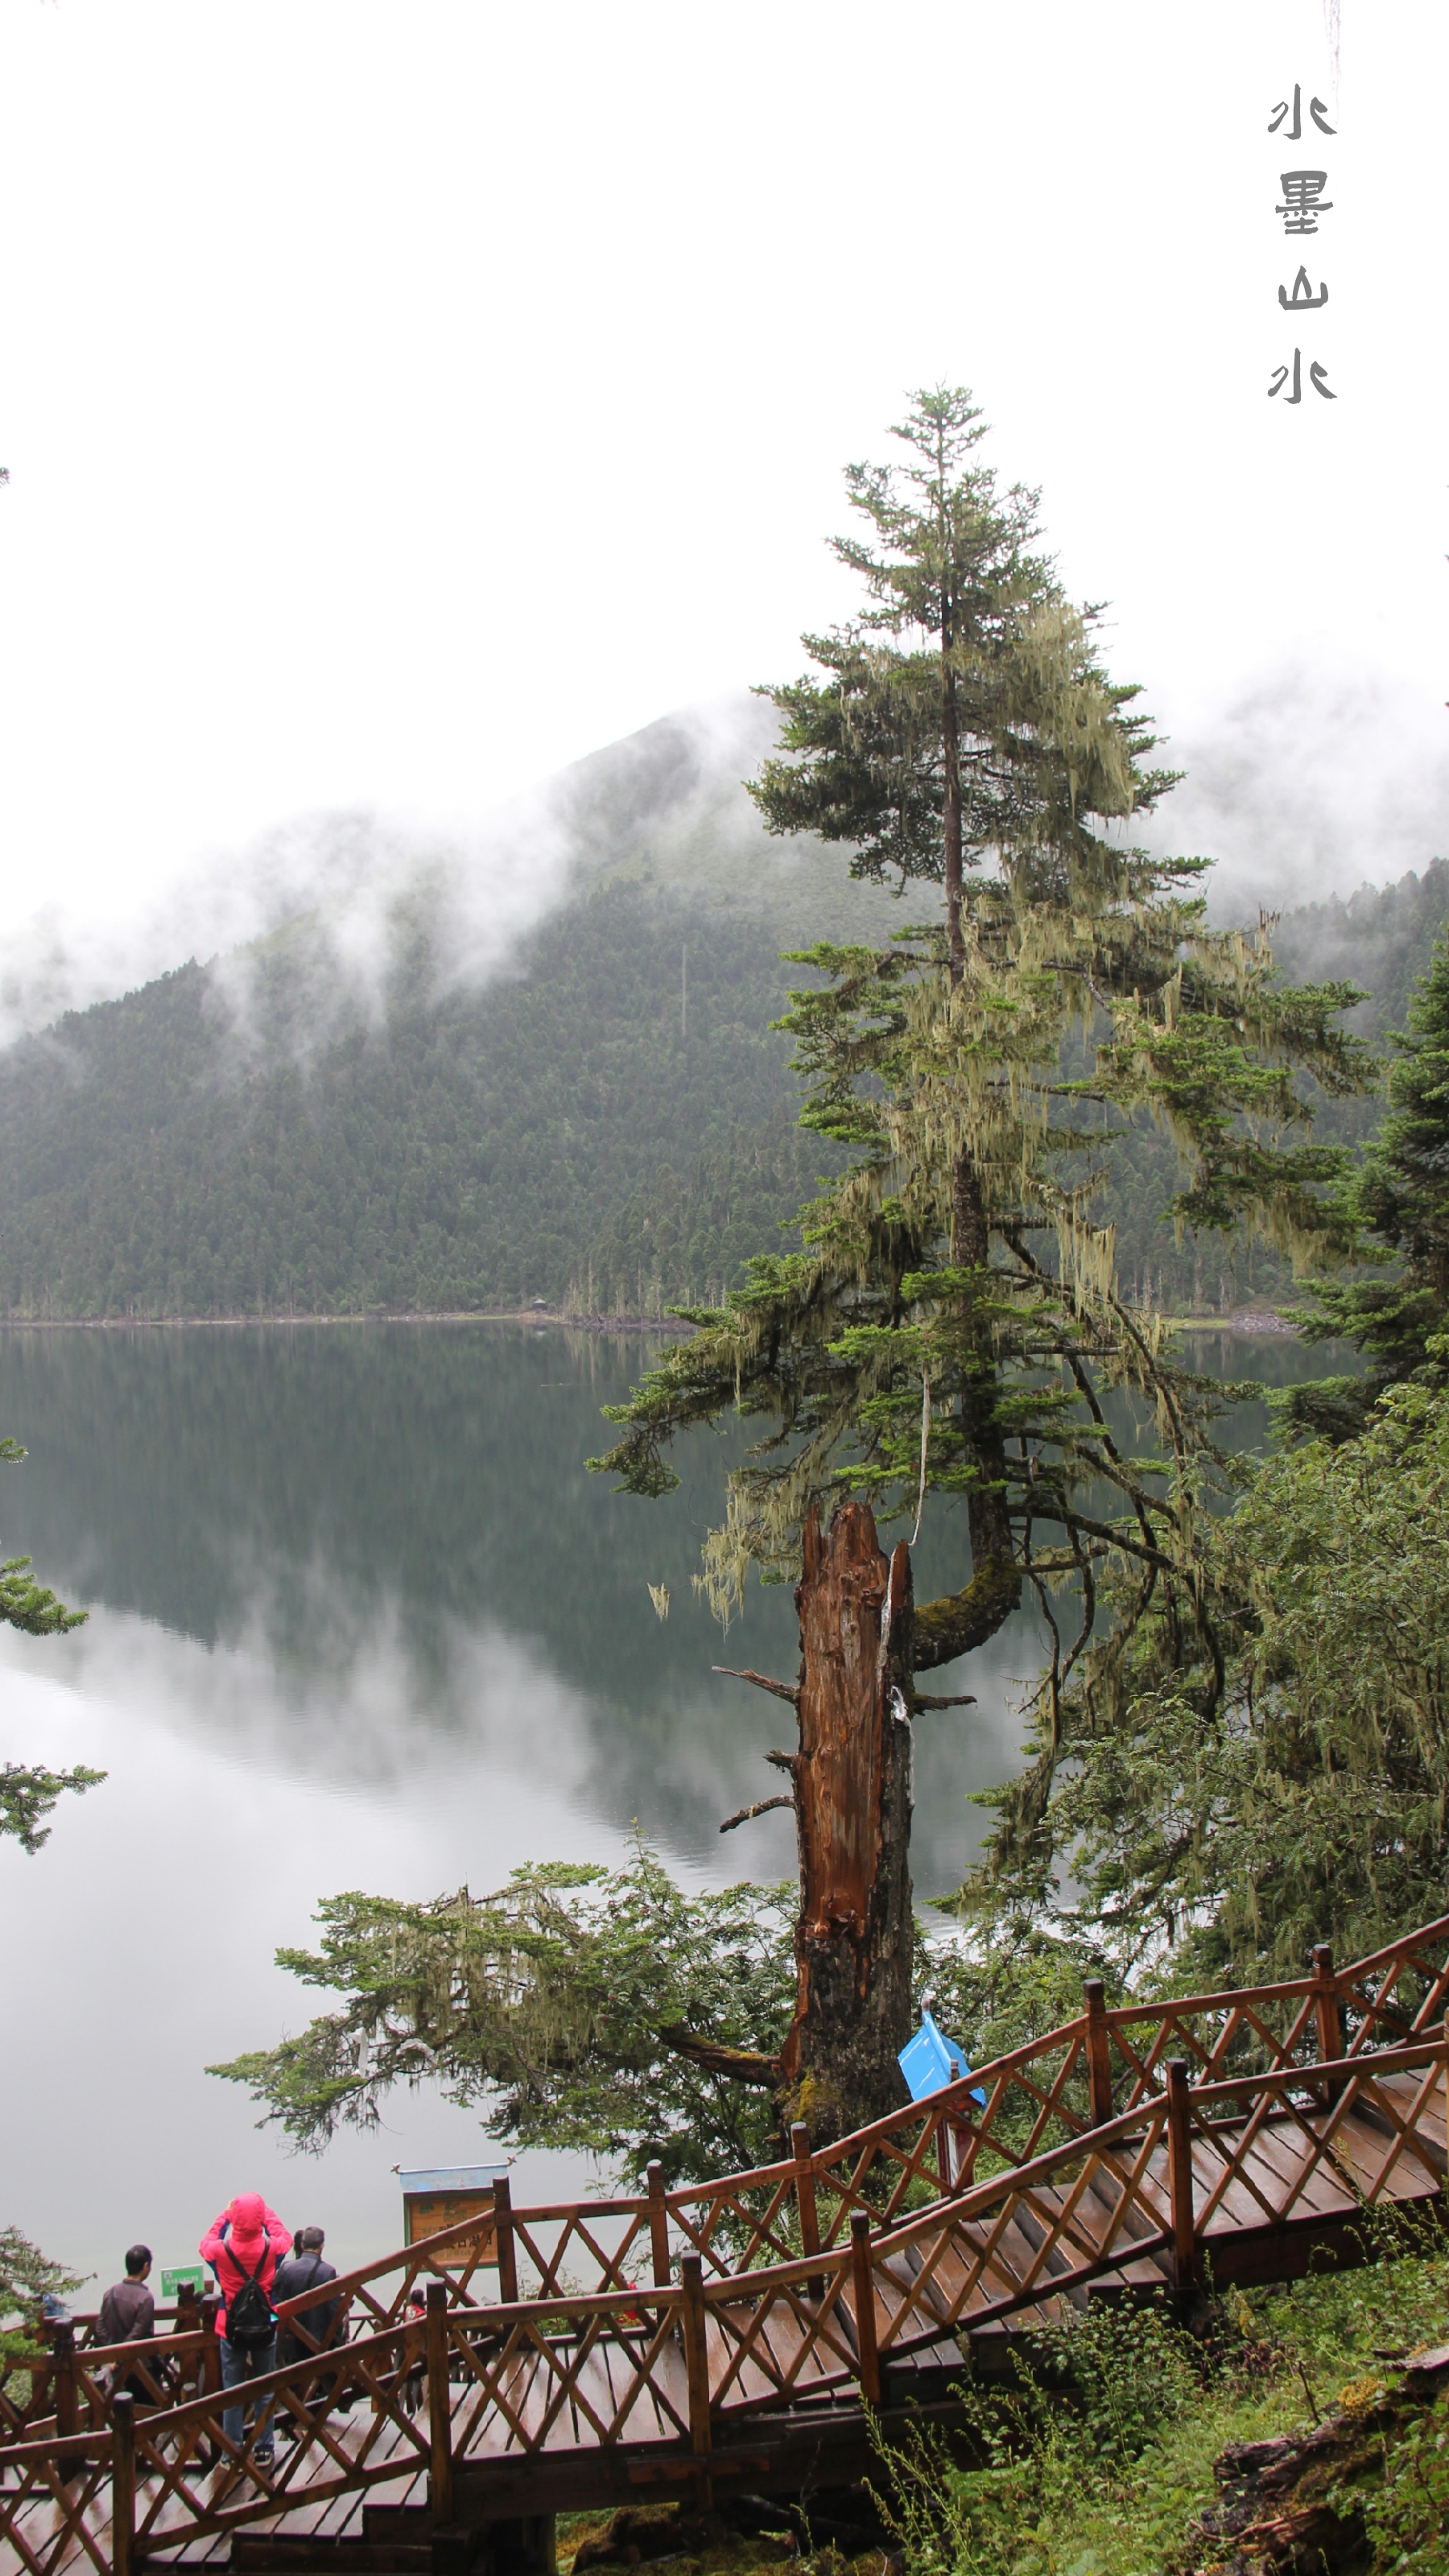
point(1252, 1322)
point(539, 1318)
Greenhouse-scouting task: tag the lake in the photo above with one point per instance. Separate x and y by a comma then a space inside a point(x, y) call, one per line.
point(360, 1619)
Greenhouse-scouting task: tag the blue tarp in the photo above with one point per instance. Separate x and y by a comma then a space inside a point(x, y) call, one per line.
point(931, 2060)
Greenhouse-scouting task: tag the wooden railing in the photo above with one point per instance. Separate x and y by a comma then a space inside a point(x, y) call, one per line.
point(1135, 2143)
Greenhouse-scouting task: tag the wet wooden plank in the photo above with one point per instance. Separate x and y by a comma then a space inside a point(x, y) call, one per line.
point(1317, 2190)
point(527, 2385)
point(644, 2419)
point(795, 2355)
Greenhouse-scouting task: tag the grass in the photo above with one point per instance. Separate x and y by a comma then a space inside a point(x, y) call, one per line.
point(1112, 2481)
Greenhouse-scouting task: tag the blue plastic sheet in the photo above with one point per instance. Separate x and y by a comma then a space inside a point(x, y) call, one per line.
point(931, 2061)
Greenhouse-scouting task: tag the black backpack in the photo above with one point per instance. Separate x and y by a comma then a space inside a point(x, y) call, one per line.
point(249, 2319)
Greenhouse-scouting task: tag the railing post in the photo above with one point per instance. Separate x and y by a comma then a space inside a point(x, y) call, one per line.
point(440, 2406)
point(208, 2372)
point(863, 2272)
point(1330, 2014)
point(805, 2199)
point(123, 2483)
point(950, 2160)
point(658, 2225)
point(208, 2378)
point(188, 2322)
point(1099, 2051)
point(67, 2408)
point(503, 2234)
point(1179, 2172)
point(696, 2369)
point(40, 2369)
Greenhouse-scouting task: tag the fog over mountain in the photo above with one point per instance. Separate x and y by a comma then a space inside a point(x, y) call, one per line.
point(1301, 787)
point(663, 799)
point(1307, 784)
point(402, 1073)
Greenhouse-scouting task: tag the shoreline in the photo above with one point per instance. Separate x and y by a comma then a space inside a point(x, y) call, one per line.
point(1251, 1323)
point(539, 1319)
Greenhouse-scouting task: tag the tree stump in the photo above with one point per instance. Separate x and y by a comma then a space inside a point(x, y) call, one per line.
point(855, 1933)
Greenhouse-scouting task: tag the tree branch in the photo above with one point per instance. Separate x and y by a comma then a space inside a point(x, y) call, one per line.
point(761, 1807)
point(762, 1681)
point(962, 1620)
point(741, 2065)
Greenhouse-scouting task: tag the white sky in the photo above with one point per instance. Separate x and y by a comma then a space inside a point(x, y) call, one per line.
point(400, 400)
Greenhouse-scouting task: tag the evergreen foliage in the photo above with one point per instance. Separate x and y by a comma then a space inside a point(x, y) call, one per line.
point(28, 1794)
point(27, 2278)
point(599, 2010)
point(1399, 1194)
point(1218, 1822)
point(1381, 939)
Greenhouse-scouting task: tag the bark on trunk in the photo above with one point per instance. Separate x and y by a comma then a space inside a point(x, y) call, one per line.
point(855, 1932)
point(951, 743)
point(962, 1620)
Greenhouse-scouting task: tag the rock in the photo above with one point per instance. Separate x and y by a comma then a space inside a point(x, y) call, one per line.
point(1287, 2507)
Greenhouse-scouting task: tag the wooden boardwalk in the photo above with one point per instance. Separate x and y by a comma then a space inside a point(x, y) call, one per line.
point(725, 2335)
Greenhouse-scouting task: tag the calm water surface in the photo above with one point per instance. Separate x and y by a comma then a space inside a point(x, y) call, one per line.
point(359, 1618)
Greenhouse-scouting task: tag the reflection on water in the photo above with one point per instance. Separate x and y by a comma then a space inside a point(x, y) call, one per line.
point(359, 1618)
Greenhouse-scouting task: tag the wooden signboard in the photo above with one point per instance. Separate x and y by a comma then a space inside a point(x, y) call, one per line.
point(442, 2196)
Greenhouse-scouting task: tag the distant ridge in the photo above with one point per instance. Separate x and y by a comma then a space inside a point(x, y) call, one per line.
point(599, 1115)
point(334, 1123)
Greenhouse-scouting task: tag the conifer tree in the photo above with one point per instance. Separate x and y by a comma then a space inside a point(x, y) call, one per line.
point(1400, 1197)
point(953, 1324)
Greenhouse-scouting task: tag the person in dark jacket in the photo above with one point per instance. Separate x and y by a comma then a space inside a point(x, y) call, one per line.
point(244, 2245)
point(128, 2311)
point(302, 2270)
point(128, 2315)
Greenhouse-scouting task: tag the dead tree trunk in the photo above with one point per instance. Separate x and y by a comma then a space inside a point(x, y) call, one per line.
point(852, 1774)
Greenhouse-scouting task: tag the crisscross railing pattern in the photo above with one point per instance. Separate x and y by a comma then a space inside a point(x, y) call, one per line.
point(1129, 2149)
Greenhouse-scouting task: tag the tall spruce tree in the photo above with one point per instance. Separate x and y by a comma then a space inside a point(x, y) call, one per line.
point(1400, 1197)
point(953, 1324)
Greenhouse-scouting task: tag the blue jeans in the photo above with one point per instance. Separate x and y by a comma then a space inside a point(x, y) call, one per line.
point(240, 2362)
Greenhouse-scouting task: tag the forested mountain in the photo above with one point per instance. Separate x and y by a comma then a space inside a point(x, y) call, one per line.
point(463, 1152)
point(1380, 940)
point(608, 1123)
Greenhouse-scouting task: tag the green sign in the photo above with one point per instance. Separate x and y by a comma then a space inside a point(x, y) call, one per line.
point(171, 2281)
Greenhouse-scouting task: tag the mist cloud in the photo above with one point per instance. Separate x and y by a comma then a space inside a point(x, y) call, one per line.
point(350, 878)
point(1306, 783)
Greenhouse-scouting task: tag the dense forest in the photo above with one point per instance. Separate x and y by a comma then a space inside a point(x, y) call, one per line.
point(457, 1152)
point(609, 1126)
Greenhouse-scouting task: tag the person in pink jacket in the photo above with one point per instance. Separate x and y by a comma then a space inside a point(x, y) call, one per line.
point(243, 2246)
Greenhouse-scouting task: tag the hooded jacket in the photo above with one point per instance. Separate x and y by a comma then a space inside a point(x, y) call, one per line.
point(246, 2230)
